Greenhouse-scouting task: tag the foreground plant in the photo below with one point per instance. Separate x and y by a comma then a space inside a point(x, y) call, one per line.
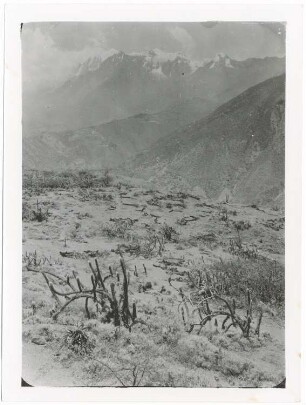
point(200, 303)
point(116, 307)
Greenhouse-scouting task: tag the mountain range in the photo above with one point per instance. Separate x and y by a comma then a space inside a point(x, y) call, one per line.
point(217, 124)
point(121, 85)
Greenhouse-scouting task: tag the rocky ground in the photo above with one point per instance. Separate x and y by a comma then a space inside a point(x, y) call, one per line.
point(189, 261)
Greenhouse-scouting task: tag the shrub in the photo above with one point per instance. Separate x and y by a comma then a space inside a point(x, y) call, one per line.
point(107, 179)
point(78, 341)
point(85, 179)
point(242, 225)
point(265, 279)
point(169, 233)
point(37, 214)
point(119, 228)
point(65, 180)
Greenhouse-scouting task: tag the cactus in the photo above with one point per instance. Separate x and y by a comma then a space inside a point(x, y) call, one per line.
point(86, 308)
point(115, 306)
point(257, 330)
point(229, 312)
point(134, 314)
point(125, 305)
point(100, 294)
point(79, 284)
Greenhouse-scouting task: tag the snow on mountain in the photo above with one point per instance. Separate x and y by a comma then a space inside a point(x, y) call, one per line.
point(95, 62)
point(159, 56)
point(221, 59)
point(228, 63)
point(154, 61)
point(116, 85)
point(196, 64)
point(157, 71)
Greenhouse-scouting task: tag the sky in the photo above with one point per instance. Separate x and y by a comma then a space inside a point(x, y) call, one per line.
point(52, 51)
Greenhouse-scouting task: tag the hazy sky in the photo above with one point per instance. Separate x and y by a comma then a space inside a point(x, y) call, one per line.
point(51, 51)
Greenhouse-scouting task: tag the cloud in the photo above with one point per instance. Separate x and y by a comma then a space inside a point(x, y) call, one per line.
point(240, 40)
point(45, 63)
point(73, 36)
point(52, 50)
point(277, 28)
point(184, 38)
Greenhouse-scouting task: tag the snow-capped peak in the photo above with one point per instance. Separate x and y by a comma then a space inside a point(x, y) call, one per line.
point(156, 59)
point(221, 59)
point(161, 56)
point(219, 56)
point(94, 63)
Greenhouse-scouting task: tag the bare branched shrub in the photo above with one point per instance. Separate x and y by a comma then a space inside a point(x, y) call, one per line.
point(223, 214)
point(169, 233)
point(119, 228)
point(263, 277)
point(153, 244)
point(206, 303)
point(107, 178)
point(35, 260)
point(242, 225)
point(37, 214)
point(237, 248)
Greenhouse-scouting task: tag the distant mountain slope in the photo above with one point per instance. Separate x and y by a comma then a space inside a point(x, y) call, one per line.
point(224, 78)
point(110, 144)
point(238, 148)
point(123, 85)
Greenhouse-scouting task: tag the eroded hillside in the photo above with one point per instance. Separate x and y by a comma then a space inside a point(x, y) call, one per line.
point(237, 150)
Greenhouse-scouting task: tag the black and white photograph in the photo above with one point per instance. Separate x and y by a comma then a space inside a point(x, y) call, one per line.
point(153, 204)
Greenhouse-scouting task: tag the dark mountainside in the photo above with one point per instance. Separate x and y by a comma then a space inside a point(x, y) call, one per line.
point(159, 104)
point(125, 85)
point(110, 144)
point(238, 151)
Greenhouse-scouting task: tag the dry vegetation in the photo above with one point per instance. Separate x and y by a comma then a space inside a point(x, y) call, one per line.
point(127, 286)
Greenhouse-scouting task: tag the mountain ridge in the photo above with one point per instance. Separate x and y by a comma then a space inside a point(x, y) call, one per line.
point(123, 85)
point(108, 144)
point(226, 150)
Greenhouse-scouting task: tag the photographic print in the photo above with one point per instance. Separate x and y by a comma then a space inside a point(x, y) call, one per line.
point(153, 204)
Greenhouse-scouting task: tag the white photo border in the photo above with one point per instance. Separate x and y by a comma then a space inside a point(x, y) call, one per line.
point(15, 14)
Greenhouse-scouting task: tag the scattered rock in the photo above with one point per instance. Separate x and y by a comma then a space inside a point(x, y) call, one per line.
point(38, 341)
point(172, 261)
